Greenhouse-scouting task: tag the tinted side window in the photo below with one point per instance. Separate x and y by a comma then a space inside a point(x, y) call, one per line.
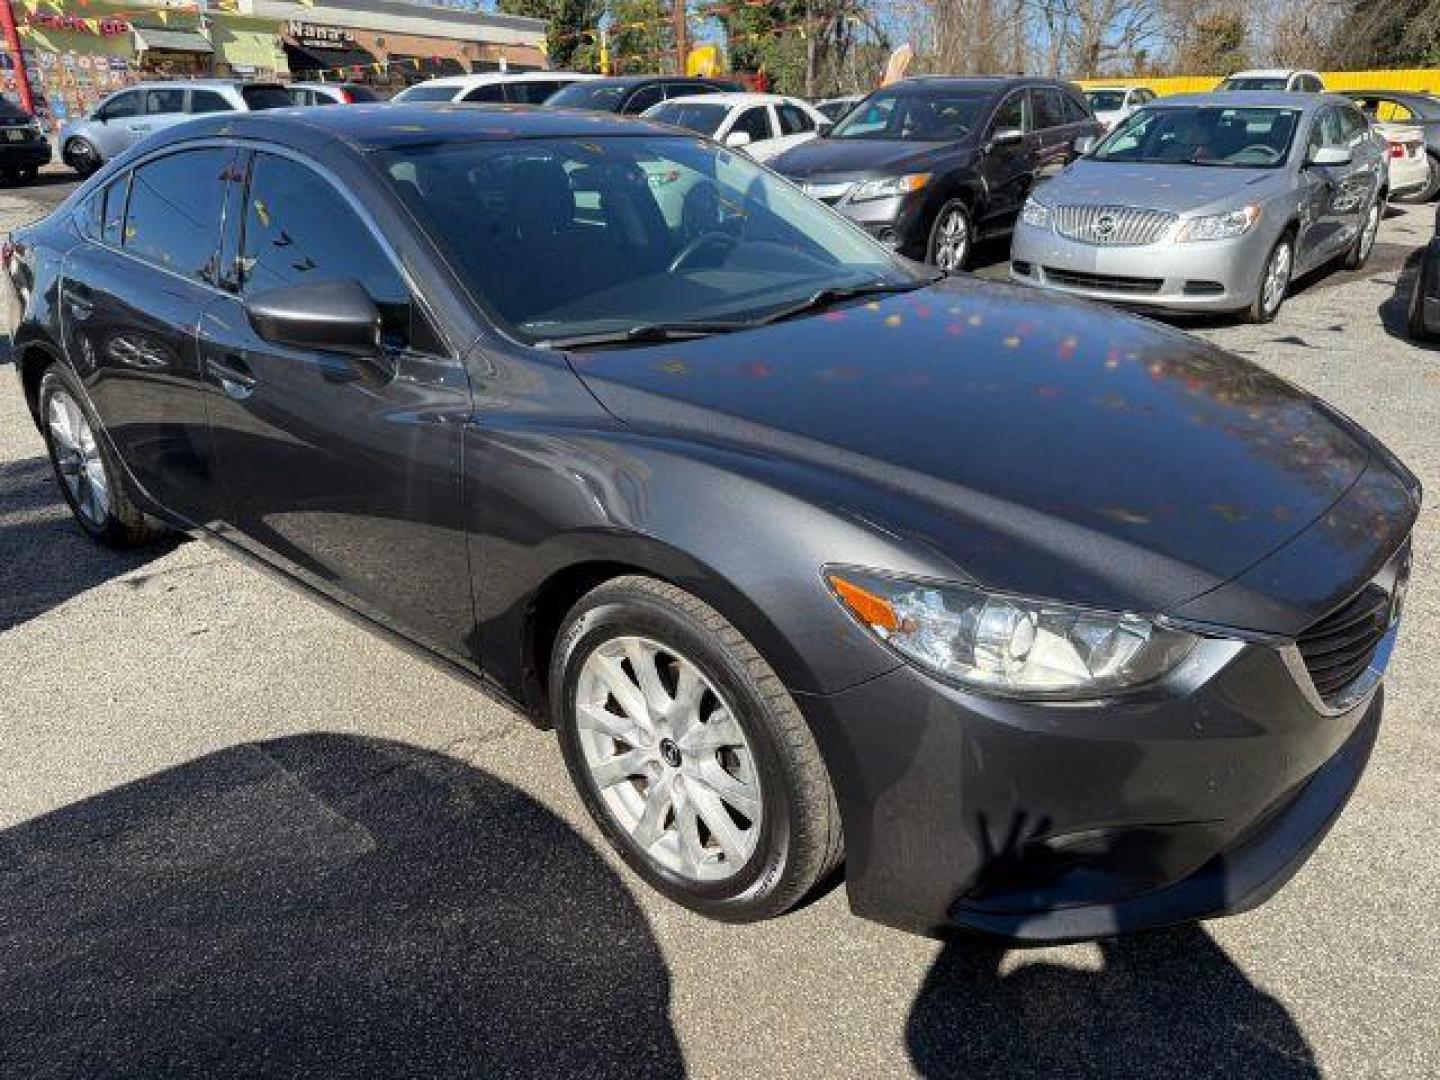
point(532, 93)
point(298, 228)
point(121, 105)
point(793, 120)
point(680, 89)
point(753, 122)
point(1011, 114)
point(1047, 108)
point(643, 98)
point(208, 101)
point(1076, 113)
point(174, 214)
point(169, 99)
point(265, 96)
point(1352, 124)
point(488, 92)
point(112, 209)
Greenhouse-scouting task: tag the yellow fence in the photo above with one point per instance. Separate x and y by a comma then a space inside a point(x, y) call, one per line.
point(1421, 80)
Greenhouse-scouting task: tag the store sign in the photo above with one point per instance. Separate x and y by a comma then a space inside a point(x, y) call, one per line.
point(314, 36)
point(73, 24)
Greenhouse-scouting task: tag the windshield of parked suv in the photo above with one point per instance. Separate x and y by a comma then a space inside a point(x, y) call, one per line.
point(266, 96)
point(916, 114)
point(588, 94)
point(1255, 82)
point(1203, 135)
point(705, 118)
point(566, 237)
point(1105, 100)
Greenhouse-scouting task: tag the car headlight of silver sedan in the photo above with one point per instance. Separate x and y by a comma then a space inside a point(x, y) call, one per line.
point(1009, 645)
point(1035, 213)
point(1224, 226)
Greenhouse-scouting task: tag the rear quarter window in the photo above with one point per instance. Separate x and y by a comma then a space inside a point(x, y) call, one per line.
point(265, 96)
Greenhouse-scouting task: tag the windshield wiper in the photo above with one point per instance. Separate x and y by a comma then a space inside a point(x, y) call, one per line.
point(642, 333)
point(833, 294)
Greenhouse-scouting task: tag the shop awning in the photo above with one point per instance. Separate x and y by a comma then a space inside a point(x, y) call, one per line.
point(190, 41)
point(305, 63)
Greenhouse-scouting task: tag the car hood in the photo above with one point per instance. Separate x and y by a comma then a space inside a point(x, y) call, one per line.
point(1038, 445)
point(1179, 189)
point(823, 159)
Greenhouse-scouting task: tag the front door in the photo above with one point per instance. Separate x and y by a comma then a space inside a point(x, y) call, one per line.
point(119, 124)
point(344, 472)
point(1008, 170)
point(131, 299)
point(1336, 196)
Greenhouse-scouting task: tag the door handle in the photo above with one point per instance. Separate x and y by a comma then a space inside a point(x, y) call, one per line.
point(234, 376)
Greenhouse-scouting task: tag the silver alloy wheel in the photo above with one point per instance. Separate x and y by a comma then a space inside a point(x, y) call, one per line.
point(1371, 230)
point(952, 240)
point(1277, 279)
point(669, 759)
point(77, 457)
point(82, 156)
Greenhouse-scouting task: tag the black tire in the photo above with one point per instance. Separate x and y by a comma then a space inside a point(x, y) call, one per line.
point(956, 210)
point(27, 175)
point(1430, 190)
point(799, 832)
point(8, 178)
point(1261, 310)
point(1359, 253)
point(82, 156)
point(1415, 317)
point(123, 525)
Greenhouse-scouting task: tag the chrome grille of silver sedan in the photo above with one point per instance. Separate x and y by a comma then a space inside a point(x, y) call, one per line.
point(1112, 226)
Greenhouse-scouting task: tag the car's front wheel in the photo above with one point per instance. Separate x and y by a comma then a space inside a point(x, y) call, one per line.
point(1274, 281)
point(689, 753)
point(88, 474)
point(950, 238)
point(1359, 253)
point(82, 156)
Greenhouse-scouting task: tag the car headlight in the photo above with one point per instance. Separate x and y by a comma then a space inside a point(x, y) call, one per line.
point(889, 187)
point(1219, 226)
point(1009, 645)
point(1036, 213)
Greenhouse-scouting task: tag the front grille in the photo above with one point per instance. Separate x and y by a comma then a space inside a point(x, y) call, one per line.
point(1339, 647)
point(1112, 226)
point(1103, 282)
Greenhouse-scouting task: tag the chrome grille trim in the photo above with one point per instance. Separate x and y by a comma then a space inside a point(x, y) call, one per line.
point(1112, 226)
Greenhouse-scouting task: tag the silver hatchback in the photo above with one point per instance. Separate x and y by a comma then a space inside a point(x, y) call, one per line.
point(126, 117)
point(1212, 202)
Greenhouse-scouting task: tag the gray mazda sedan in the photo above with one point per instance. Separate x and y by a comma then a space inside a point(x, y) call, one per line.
point(1212, 202)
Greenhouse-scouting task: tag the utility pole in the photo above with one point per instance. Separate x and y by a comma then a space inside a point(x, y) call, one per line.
point(17, 53)
point(682, 35)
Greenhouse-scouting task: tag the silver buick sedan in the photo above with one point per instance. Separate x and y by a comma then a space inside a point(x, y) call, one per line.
point(1211, 202)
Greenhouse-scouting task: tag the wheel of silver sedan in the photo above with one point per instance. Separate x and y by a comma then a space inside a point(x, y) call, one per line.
point(1276, 282)
point(670, 762)
point(950, 245)
point(1371, 230)
point(78, 459)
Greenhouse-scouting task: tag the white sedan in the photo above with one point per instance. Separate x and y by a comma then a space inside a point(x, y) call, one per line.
point(1111, 104)
point(765, 125)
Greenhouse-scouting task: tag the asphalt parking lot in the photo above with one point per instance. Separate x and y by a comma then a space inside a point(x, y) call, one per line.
point(239, 836)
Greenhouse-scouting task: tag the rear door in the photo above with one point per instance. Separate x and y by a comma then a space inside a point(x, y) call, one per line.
point(131, 299)
point(164, 107)
point(343, 472)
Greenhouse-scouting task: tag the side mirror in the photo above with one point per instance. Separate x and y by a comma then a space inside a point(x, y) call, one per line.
point(1330, 155)
point(334, 316)
point(1006, 137)
point(738, 139)
point(1086, 144)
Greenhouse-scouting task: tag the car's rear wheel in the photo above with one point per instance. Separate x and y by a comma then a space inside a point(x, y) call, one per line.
point(88, 474)
point(82, 156)
point(951, 237)
point(1274, 281)
point(1359, 253)
point(689, 753)
point(1424, 284)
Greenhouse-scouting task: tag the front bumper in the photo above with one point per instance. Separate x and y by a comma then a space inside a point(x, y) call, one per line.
point(896, 221)
point(1212, 275)
point(22, 155)
point(1046, 823)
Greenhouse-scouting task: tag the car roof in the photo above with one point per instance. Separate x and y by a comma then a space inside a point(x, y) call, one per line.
point(386, 125)
point(213, 84)
point(1251, 99)
point(732, 98)
point(485, 78)
point(1269, 73)
point(636, 80)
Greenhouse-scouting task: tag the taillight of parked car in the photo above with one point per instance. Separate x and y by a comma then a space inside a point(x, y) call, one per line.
point(347, 97)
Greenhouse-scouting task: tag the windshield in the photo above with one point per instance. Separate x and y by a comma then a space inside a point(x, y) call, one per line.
point(1105, 100)
point(1256, 82)
point(587, 94)
point(1203, 135)
point(704, 118)
point(565, 237)
point(915, 114)
point(423, 92)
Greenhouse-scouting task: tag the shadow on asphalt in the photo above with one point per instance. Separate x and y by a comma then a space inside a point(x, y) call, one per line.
point(45, 558)
point(1168, 1003)
point(322, 906)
